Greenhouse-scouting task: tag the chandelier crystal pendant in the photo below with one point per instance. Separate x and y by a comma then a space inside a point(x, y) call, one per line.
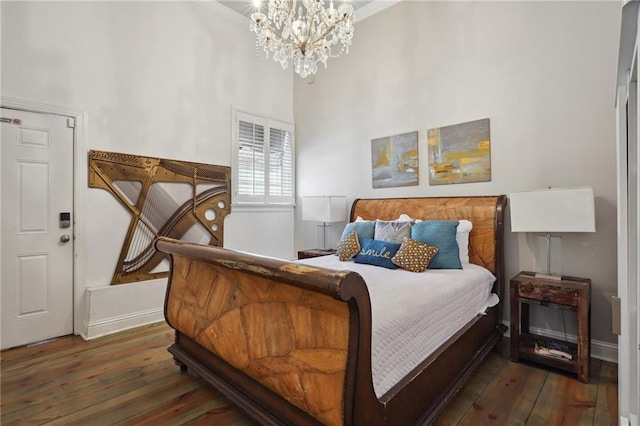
point(307, 36)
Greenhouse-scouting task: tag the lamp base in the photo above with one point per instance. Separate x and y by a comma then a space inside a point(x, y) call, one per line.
point(322, 235)
point(548, 276)
point(546, 263)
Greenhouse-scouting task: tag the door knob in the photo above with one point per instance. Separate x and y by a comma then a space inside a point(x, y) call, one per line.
point(65, 238)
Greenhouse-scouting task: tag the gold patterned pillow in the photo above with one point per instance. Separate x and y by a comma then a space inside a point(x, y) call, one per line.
point(348, 246)
point(414, 256)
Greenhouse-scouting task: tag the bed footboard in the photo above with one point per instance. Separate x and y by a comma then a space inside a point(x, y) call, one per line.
point(284, 341)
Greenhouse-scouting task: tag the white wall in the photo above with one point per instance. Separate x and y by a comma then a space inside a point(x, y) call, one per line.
point(159, 79)
point(156, 79)
point(543, 72)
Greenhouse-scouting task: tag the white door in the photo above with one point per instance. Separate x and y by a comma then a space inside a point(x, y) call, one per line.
point(36, 290)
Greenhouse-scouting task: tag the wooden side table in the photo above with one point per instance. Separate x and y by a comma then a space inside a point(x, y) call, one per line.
point(570, 293)
point(305, 254)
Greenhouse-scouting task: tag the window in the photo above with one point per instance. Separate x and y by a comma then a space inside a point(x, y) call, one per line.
point(263, 163)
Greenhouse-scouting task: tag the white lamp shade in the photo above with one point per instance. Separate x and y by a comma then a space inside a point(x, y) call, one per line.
point(324, 209)
point(553, 210)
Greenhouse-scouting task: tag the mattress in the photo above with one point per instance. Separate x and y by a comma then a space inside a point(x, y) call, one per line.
point(415, 313)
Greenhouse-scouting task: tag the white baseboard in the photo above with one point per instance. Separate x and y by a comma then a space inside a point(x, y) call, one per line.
point(599, 350)
point(106, 326)
point(113, 308)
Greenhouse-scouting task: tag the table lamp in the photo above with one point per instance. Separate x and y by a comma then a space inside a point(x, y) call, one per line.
point(325, 209)
point(552, 210)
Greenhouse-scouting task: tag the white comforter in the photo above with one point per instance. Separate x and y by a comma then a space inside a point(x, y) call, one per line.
point(414, 313)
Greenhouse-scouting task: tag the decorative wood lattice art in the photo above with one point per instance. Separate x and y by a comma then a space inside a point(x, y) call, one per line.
point(177, 199)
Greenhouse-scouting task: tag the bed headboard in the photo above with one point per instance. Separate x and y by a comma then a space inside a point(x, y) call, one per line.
point(485, 212)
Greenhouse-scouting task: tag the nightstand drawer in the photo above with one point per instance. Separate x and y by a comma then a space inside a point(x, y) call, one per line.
point(548, 294)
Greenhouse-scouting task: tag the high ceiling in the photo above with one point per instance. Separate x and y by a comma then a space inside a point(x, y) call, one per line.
point(246, 8)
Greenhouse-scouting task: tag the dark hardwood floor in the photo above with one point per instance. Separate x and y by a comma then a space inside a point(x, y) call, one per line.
point(129, 378)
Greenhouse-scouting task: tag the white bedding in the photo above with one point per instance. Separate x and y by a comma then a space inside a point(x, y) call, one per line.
point(414, 313)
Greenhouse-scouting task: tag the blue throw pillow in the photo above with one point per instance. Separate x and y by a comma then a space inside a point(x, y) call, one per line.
point(440, 234)
point(377, 253)
point(364, 229)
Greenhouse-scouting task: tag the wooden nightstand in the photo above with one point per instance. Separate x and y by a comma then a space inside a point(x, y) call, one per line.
point(305, 254)
point(570, 293)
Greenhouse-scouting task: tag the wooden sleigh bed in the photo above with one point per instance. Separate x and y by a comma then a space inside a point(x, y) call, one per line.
point(291, 343)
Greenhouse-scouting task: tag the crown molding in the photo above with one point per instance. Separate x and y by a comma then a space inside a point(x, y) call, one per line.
point(225, 12)
point(362, 13)
point(376, 6)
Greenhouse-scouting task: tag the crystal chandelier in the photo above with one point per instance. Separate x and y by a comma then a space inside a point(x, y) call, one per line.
point(306, 37)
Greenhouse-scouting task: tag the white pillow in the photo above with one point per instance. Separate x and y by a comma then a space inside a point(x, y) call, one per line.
point(462, 238)
point(406, 218)
point(462, 235)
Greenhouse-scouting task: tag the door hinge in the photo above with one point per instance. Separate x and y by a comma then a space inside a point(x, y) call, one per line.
point(71, 123)
point(616, 316)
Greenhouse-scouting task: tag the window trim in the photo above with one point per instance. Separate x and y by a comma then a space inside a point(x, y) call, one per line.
point(238, 114)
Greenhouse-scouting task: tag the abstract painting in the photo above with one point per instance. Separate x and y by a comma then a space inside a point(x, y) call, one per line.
point(460, 153)
point(394, 160)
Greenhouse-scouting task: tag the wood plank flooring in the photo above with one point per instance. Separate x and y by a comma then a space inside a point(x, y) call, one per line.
point(129, 378)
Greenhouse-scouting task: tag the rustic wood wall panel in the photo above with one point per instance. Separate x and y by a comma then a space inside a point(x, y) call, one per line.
point(178, 199)
point(291, 340)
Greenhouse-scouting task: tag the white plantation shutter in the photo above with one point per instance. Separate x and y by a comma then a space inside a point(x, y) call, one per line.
point(263, 161)
point(280, 163)
point(251, 165)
